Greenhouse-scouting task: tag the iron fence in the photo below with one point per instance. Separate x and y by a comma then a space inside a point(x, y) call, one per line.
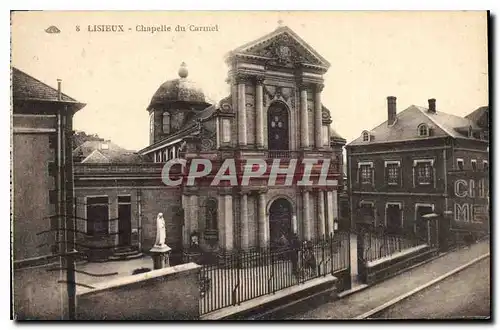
point(228, 279)
point(381, 243)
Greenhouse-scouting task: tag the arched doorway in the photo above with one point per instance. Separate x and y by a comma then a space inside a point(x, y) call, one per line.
point(280, 220)
point(277, 127)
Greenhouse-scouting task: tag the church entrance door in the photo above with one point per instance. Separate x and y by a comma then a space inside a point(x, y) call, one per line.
point(280, 221)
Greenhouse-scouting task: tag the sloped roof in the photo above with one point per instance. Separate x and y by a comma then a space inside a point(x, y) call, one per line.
point(26, 87)
point(334, 134)
point(407, 121)
point(480, 116)
point(93, 152)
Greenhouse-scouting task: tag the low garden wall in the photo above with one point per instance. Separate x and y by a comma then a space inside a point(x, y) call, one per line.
point(171, 293)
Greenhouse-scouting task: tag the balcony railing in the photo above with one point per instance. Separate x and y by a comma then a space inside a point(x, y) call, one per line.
point(87, 169)
point(281, 154)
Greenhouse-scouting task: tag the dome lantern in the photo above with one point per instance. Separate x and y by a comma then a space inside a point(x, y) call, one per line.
point(183, 71)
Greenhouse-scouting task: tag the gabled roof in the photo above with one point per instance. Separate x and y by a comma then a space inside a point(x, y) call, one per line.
point(407, 121)
point(279, 35)
point(26, 87)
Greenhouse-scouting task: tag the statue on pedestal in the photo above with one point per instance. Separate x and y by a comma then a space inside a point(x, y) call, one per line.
point(160, 251)
point(161, 233)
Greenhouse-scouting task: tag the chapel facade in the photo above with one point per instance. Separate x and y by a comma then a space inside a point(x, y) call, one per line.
point(274, 111)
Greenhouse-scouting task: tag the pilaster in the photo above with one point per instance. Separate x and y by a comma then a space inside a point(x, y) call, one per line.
point(318, 122)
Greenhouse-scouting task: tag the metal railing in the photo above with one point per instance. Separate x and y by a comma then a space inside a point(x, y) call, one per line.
point(228, 279)
point(280, 154)
point(380, 243)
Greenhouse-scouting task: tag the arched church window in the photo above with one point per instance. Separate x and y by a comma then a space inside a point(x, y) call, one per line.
point(166, 123)
point(278, 137)
point(211, 214)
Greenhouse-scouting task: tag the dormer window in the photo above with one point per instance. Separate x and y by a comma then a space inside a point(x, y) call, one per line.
point(366, 136)
point(423, 130)
point(470, 134)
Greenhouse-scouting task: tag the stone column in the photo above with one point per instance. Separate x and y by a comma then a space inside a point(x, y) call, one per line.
point(318, 122)
point(186, 201)
point(304, 125)
point(321, 213)
point(330, 207)
point(113, 214)
point(242, 113)
point(259, 112)
point(244, 221)
point(263, 221)
point(228, 222)
point(306, 215)
point(294, 224)
point(194, 214)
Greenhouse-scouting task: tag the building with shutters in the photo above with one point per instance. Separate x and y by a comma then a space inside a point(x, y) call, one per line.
point(408, 167)
point(274, 111)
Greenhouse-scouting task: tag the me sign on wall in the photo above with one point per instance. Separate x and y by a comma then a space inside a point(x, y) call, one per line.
point(470, 201)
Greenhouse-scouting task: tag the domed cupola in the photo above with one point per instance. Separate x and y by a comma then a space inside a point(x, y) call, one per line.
point(180, 90)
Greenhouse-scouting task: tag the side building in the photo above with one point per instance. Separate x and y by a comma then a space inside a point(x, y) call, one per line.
point(421, 161)
point(42, 196)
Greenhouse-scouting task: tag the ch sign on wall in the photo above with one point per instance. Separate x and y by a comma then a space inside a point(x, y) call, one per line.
point(470, 203)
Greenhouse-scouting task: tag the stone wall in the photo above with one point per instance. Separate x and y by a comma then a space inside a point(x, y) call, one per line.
point(165, 294)
point(37, 295)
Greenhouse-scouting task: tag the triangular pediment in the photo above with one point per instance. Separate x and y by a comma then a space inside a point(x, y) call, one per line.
point(285, 47)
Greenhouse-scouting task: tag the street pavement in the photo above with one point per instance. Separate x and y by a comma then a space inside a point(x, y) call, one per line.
point(463, 295)
point(374, 296)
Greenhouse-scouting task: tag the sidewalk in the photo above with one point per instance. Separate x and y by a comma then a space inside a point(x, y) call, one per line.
point(372, 297)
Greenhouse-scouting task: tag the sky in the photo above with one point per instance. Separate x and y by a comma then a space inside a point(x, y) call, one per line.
point(411, 55)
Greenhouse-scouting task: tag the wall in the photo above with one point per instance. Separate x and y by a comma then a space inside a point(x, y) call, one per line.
point(406, 159)
point(165, 294)
point(31, 185)
point(405, 193)
point(153, 201)
point(37, 295)
point(408, 205)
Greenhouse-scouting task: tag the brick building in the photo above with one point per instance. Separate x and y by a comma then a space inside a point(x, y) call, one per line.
point(408, 166)
point(273, 111)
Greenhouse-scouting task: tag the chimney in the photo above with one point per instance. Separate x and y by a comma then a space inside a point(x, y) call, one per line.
point(391, 110)
point(432, 105)
point(59, 93)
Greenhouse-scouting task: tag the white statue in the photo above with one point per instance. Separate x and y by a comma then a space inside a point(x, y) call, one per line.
point(161, 232)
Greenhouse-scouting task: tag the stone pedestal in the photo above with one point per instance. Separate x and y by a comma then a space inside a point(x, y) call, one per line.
point(161, 256)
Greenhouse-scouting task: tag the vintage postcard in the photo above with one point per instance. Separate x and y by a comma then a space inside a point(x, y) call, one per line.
point(250, 165)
